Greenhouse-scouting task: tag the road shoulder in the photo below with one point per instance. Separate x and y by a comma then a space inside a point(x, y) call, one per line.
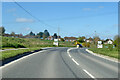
point(103, 56)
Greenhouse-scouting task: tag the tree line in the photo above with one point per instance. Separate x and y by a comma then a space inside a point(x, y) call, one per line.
point(41, 35)
point(46, 34)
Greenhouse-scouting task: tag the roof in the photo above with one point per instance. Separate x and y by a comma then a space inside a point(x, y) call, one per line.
point(70, 38)
point(108, 40)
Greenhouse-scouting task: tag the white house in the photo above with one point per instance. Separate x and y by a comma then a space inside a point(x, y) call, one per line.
point(108, 41)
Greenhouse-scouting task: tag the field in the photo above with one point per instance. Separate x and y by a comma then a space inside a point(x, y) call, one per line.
point(105, 51)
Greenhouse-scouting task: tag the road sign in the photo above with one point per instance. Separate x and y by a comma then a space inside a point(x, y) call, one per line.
point(55, 42)
point(99, 42)
point(99, 46)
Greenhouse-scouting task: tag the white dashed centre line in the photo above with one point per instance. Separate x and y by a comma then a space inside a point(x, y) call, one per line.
point(89, 73)
point(78, 64)
point(75, 61)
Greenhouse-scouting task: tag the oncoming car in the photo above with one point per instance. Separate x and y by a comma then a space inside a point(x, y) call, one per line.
point(79, 45)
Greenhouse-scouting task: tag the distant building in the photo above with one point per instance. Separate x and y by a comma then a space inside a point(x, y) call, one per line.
point(70, 39)
point(87, 40)
point(6, 35)
point(108, 41)
point(90, 40)
point(29, 36)
point(50, 38)
point(15, 35)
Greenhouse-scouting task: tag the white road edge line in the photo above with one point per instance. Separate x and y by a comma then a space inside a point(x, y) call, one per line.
point(88, 73)
point(69, 52)
point(101, 56)
point(75, 61)
point(19, 59)
point(69, 55)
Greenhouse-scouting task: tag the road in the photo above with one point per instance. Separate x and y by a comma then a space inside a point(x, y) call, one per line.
point(62, 63)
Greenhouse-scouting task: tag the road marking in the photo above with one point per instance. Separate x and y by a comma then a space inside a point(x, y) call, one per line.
point(19, 59)
point(69, 55)
point(102, 56)
point(78, 64)
point(88, 73)
point(75, 61)
point(68, 52)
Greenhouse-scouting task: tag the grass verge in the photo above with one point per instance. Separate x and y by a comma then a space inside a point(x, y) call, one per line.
point(105, 51)
point(11, 53)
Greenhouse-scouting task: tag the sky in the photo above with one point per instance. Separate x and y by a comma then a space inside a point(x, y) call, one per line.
point(71, 18)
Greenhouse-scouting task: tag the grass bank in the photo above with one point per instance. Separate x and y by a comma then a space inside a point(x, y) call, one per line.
point(105, 51)
point(11, 53)
point(9, 42)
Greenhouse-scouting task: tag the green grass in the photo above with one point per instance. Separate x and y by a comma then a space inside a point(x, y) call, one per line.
point(11, 53)
point(66, 44)
point(8, 42)
point(105, 51)
point(24, 42)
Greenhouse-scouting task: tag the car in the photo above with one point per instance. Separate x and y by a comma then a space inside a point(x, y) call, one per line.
point(79, 45)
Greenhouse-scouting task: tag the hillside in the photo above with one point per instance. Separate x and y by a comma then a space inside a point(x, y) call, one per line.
point(9, 42)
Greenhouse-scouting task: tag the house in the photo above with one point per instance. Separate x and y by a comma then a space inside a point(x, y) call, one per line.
point(108, 41)
point(6, 35)
point(70, 39)
point(10, 35)
point(50, 38)
point(89, 40)
point(28, 36)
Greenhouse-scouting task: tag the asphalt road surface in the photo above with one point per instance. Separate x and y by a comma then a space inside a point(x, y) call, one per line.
point(62, 63)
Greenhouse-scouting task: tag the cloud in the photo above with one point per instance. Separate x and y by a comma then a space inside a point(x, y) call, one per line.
point(24, 20)
point(86, 9)
point(100, 6)
point(11, 10)
point(116, 25)
point(89, 9)
point(27, 29)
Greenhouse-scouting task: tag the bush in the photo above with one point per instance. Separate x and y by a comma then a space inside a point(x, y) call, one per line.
point(62, 39)
point(86, 44)
point(110, 47)
point(15, 45)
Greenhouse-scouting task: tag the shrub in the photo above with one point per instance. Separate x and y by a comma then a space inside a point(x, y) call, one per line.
point(110, 47)
point(86, 44)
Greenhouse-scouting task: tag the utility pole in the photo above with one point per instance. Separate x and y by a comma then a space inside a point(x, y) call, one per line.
point(95, 39)
point(95, 34)
point(58, 35)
